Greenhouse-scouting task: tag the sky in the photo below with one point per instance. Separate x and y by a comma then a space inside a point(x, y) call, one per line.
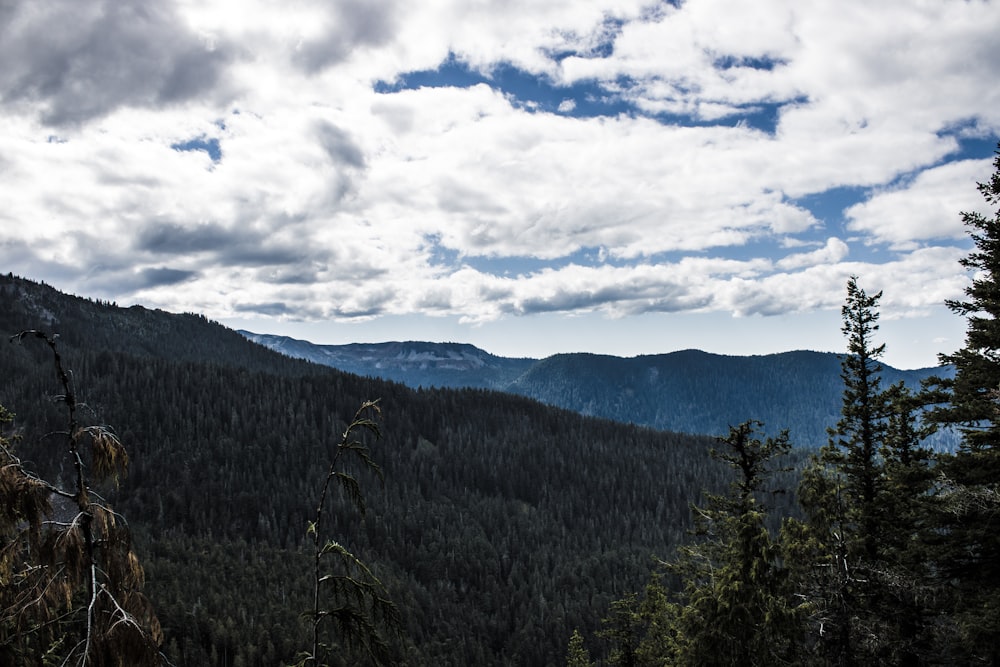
point(611, 176)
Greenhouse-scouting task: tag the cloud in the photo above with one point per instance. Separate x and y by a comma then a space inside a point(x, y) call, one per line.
point(339, 145)
point(161, 276)
point(347, 25)
point(834, 251)
point(112, 280)
point(924, 208)
point(274, 309)
point(75, 61)
point(830, 65)
point(173, 238)
point(506, 182)
point(679, 140)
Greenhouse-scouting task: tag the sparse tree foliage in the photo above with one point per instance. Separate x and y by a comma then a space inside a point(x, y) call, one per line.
point(71, 583)
point(346, 594)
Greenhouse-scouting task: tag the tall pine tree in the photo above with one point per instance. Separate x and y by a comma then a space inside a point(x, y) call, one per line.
point(856, 559)
point(971, 402)
point(855, 442)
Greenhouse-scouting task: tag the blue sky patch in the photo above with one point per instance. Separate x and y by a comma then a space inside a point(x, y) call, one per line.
point(585, 98)
point(828, 206)
point(973, 142)
point(210, 146)
point(528, 91)
point(765, 63)
point(523, 265)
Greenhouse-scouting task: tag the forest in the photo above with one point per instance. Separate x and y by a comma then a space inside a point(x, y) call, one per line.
point(175, 494)
point(687, 391)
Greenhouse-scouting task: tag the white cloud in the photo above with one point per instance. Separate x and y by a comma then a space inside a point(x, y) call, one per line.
point(831, 253)
point(567, 106)
point(924, 209)
point(333, 201)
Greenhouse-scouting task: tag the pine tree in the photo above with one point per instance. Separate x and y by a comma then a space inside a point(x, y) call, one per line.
point(735, 607)
point(623, 628)
point(855, 442)
point(71, 583)
point(905, 575)
point(971, 397)
point(971, 402)
point(857, 558)
point(577, 654)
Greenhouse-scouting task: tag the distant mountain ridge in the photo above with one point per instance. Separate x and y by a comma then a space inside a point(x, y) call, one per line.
point(413, 363)
point(686, 391)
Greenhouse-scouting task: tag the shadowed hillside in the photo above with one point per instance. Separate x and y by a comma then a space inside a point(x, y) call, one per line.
point(503, 523)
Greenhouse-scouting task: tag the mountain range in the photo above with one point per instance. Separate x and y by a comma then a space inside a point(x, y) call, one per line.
point(688, 391)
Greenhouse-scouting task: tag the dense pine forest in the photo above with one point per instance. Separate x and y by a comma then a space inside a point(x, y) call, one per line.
point(688, 391)
point(470, 527)
point(502, 524)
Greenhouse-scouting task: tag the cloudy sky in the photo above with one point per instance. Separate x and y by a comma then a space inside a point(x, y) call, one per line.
point(615, 176)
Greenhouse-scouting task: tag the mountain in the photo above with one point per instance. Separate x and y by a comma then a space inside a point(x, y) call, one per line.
point(503, 524)
point(696, 392)
point(687, 391)
point(415, 364)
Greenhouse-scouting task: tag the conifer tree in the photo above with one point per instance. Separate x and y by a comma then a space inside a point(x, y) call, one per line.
point(971, 478)
point(735, 608)
point(577, 654)
point(841, 493)
point(71, 583)
point(623, 628)
point(905, 574)
point(855, 443)
point(859, 559)
point(971, 397)
point(346, 593)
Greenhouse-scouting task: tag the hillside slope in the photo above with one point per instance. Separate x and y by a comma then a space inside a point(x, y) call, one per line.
point(697, 392)
point(502, 526)
point(687, 391)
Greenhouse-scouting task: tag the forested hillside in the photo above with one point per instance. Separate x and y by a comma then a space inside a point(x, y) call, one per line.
point(689, 391)
point(696, 392)
point(502, 525)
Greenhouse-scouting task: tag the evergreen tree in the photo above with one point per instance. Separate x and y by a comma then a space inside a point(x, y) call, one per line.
point(577, 654)
point(971, 397)
point(735, 607)
point(910, 595)
point(349, 595)
point(623, 628)
point(855, 443)
point(971, 402)
point(858, 558)
point(71, 583)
